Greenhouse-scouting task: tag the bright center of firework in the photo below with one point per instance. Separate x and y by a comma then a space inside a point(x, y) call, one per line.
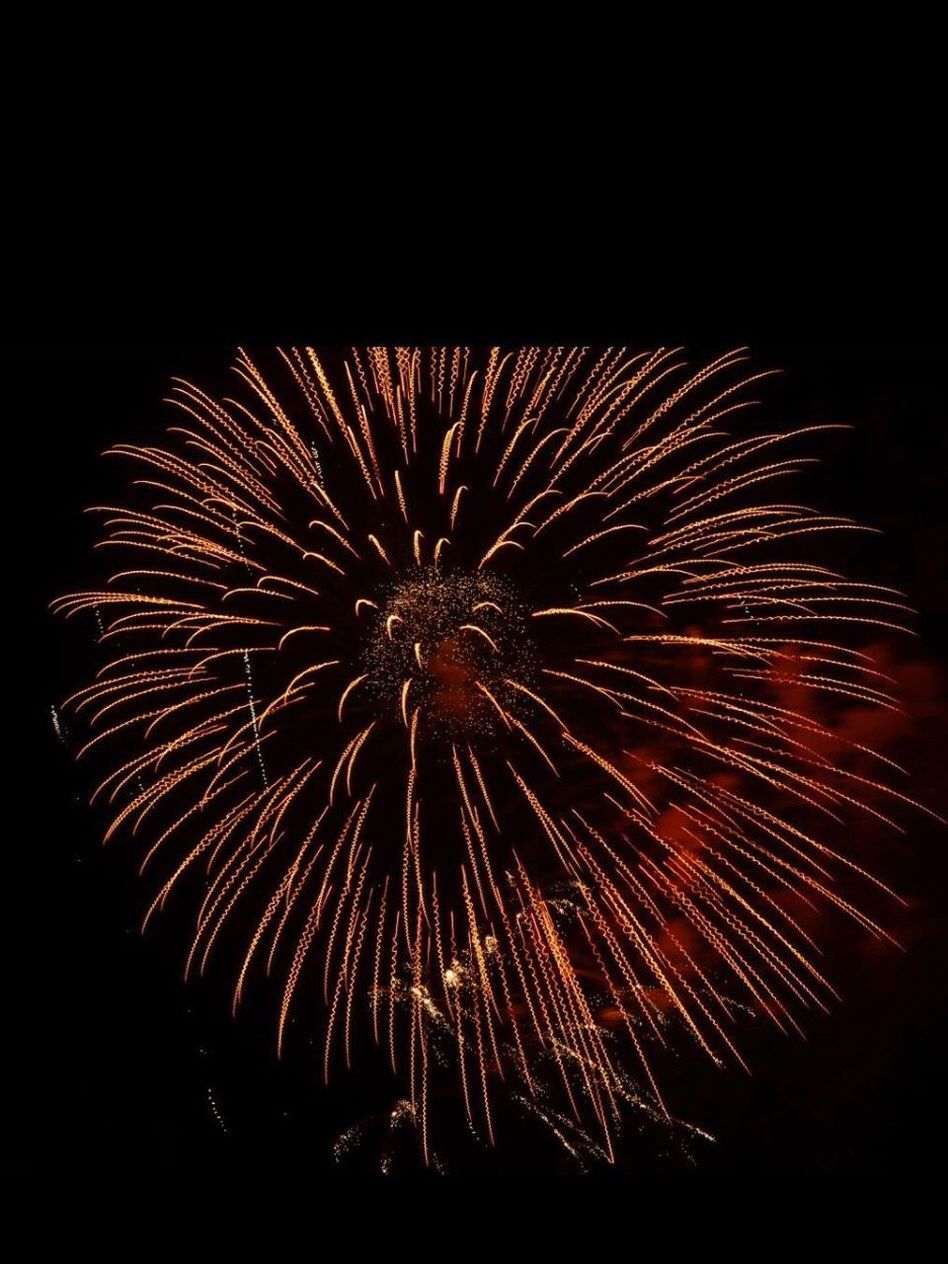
point(445, 647)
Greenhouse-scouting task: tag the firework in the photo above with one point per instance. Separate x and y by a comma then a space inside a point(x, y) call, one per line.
point(476, 695)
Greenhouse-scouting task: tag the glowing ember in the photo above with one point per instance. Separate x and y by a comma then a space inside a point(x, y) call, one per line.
point(443, 645)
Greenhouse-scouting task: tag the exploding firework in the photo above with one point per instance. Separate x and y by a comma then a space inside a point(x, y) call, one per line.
point(475, 697)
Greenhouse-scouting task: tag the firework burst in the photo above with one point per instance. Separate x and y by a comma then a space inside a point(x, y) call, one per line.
point(461, 690)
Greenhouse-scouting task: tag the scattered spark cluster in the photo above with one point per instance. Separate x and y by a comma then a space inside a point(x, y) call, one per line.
point(449, 647)
point(480, 698)
point(383, 1133)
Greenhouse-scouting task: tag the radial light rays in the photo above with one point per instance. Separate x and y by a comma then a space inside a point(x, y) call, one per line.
point(452, 688)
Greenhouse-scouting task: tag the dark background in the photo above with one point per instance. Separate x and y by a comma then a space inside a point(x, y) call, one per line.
point(772, 182)
point(132, 1073)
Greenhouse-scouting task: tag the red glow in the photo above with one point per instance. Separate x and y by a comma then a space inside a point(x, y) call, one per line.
point(456, 694)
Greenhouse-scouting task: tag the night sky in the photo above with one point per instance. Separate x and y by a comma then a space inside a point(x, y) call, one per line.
point(771, 181)
point(136, 1072)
